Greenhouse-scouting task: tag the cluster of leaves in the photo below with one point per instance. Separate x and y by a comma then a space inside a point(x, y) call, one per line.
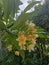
point(42, 17)
point(8, 32)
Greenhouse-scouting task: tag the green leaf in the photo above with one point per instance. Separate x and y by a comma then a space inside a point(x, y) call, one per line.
point(22, 19)
point(2, 26)
point(10, 7)
point(31, 5)
point(41, 32)
point(22, 54)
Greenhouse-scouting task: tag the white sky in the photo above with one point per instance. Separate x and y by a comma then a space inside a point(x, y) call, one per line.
point(23, 6)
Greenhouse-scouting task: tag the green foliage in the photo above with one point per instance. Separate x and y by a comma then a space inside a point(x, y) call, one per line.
point(42, 17)
point(10, 7)
point(8, 33)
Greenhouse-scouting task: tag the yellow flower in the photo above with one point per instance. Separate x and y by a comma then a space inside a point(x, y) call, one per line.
point(34, 36)
point(31, 47)
point(27, 22)
point(21, 33)
point(9, 48)
point(17, 53)
point(22, 47)
point(21, 39)
point(31, 24)
point(27, 36)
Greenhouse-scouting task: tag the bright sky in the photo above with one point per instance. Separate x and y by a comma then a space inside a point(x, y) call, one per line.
point(23, 6)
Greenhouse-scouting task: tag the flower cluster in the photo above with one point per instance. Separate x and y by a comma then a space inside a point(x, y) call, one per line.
point(28, 36)
point(26, 39)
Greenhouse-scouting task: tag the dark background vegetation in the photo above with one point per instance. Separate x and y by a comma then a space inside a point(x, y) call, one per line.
point(40, 56)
